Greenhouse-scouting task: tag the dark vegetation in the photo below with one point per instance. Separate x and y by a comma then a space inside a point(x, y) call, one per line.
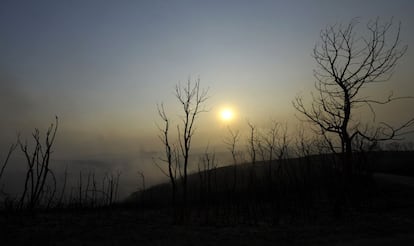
point(40, 186)
point(300, 188)
point(300, 211)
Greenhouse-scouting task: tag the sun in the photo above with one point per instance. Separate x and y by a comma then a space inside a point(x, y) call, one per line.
point(226, 114)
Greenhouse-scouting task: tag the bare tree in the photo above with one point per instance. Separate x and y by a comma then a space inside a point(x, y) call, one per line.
point(251, 143)
point(347, 65)
point(62, 193)
point(6, 160)
point(143, 186)
point(252, 150)
point(303, 147)
point(192, 100)
point(169, 152)
point(231, 142)
point(206, 166)
point(113, 187)
point(7, 200)
point(38, 170)
point(271, 139)
point(282, 145)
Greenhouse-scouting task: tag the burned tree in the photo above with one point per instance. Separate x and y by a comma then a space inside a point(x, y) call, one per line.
point(3, 167)
point(347, 66)
point(38, 170)
point(6, 160)
point(192, 100)
point(231, 142)
point(169, 153)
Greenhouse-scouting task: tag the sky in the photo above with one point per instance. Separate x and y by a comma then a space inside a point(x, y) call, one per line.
point(103, 66)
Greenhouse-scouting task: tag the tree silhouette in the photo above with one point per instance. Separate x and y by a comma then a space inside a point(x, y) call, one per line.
point(169, 152)
point(231, 142)
point(192, 100)
point(38, 170)
point(6, 160)
point(347, 65)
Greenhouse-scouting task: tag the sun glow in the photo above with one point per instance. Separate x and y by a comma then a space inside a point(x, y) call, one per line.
point(226, 114)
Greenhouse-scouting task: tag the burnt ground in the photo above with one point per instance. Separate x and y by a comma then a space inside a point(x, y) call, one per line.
point(390, 222)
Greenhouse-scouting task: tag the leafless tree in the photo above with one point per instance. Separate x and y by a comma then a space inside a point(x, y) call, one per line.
point(112, 188)
point(282, 145)
point(303, 148)
point(7, 201)
point(206, 166)
point(192, 100)
point(276, 141)
point(143, 187)
point(270, 138)
point(251, 143)
point(231, 142)
point(142, 177)
point(169, 152)
point(62, 193)
point(38, 170)
point(6, 160)
point(347, 65)
point(252, 151)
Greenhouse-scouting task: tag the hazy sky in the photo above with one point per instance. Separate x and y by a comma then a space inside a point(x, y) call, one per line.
point(102, 66)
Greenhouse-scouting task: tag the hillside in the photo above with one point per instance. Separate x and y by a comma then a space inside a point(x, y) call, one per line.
point(390, 162)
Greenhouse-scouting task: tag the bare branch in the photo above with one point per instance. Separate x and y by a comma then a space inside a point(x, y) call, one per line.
point(347, 64)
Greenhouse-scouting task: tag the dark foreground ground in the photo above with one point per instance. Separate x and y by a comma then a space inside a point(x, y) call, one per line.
point(392, 223)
